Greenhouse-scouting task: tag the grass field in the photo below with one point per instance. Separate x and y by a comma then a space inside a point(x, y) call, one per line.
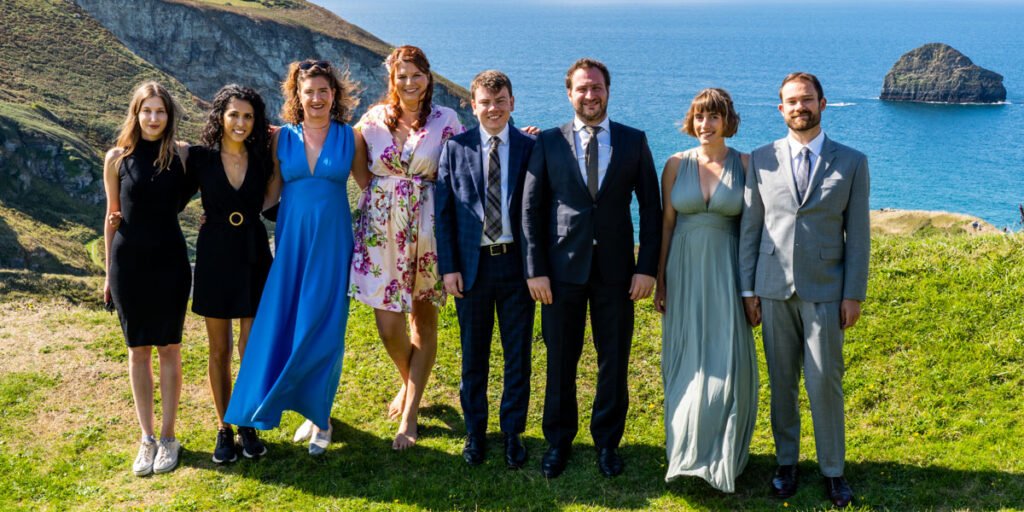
point(934, 376)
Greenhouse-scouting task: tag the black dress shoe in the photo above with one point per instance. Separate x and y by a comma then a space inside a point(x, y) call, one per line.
point(554, 461)
point(515, 451)
point(784, 482)
point(609, 462)
point(838, 491)
point(475, 450)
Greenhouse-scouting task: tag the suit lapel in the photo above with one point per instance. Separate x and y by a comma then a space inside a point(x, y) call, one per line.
point(474, 155)
point(567, 132)
point(828, 152)
point(613, 163)
point(515, 156)
point(786, 166)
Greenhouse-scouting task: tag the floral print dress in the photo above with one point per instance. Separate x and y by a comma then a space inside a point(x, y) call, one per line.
point(395, 259)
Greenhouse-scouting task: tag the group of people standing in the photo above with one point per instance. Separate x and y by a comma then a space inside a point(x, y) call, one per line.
point(499, 218)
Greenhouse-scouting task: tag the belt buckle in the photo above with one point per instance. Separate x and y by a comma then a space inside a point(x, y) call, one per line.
point(497, 249)
point(236, 219)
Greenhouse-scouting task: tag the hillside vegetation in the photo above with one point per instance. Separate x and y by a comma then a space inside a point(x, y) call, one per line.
point(934, 373)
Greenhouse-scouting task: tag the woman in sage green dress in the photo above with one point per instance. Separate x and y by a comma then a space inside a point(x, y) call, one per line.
point(708, 364)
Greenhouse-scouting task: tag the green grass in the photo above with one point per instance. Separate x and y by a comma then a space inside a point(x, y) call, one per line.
point(933, 403)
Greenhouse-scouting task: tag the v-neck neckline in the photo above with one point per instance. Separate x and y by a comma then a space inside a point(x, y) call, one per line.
point(316, 162)
point(224, 172)
point(718, 184)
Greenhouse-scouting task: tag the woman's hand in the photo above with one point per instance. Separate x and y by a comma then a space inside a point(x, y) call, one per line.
point(108, 299)
point(659, 298)
point(114, 219)
point(530, 130)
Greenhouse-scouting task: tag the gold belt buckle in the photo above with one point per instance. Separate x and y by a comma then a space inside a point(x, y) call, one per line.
point(497, 249)
point(236, 219)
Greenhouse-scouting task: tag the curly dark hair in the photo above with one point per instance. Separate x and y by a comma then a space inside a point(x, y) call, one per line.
point(258, 142)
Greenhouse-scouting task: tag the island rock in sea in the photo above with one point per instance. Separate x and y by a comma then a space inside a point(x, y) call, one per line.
point(939, 73)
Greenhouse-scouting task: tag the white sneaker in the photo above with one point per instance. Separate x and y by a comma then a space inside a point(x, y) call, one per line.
point(320, 440)
point(143, 464)
point(167, 456)
point(303, 432)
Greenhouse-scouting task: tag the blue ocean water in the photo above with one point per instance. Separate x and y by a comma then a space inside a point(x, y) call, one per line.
point(967, 159)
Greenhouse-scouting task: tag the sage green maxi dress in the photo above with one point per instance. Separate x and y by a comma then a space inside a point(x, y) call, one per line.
point(708, 364)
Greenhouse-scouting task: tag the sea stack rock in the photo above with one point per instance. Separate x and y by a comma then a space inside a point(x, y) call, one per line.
point(938, 73)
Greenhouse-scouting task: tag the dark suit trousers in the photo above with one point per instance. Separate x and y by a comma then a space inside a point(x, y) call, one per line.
point(500, 286)
point(563, 323)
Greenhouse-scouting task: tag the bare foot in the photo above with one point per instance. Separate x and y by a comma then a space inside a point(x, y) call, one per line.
point(405, 438)
point(397, 404)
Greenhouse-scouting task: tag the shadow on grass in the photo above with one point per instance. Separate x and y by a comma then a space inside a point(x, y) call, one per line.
point(363, 466)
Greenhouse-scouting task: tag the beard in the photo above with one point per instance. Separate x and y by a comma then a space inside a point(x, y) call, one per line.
point(799, 124)
point(598, 115)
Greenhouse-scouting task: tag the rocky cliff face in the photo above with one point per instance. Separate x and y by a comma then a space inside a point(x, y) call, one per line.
point(206, 48)
point(939, 73)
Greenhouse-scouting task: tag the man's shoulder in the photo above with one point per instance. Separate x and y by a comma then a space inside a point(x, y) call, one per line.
point(843, 149)
point(767, 149)
point(466, 138)
point(626, 130)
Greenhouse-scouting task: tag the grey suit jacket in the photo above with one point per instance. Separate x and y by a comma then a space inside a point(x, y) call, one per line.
point(818, 248)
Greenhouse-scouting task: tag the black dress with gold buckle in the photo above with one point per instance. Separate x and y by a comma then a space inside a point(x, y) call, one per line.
point(232, 251)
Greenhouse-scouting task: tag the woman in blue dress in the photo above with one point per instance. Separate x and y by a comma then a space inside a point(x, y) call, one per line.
point(293, 358)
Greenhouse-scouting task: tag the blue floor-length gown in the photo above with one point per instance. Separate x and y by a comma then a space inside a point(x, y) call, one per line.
point(294, 353)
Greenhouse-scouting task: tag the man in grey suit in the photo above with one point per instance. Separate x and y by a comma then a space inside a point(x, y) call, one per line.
point(804, 250)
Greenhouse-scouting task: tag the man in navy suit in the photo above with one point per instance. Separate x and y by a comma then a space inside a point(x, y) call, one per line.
point(479, 190)
point(578, 250)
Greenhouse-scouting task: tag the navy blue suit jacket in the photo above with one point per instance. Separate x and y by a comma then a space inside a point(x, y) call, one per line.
point(459, 199)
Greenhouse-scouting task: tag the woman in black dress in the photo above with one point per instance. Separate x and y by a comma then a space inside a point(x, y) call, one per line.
point(231, 169)
point(148, 274)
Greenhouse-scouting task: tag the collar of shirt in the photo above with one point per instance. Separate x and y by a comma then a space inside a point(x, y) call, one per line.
point(814, 145)
point(485, 138)
point(577, 125)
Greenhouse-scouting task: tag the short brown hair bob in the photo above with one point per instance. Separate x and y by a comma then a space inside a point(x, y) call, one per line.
point(712, 101)
point(345, 90)
point(492, 80)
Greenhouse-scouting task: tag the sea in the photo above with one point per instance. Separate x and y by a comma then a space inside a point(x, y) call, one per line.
point(959, 158)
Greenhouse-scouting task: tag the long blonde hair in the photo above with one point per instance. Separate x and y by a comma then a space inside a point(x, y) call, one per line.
point(131, 132)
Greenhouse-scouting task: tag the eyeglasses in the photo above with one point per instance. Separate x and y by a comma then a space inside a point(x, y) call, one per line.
point(306, 65)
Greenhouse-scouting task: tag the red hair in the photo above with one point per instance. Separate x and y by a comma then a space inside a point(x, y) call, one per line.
point(415, 56)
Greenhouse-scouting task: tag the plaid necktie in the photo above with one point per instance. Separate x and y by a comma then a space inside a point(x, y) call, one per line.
point(492, 212)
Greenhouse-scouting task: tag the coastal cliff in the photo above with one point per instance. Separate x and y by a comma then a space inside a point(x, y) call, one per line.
point(938, 73)
point(206, 47)
point(67, 69)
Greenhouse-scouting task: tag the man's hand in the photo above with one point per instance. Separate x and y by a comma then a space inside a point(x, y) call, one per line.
point(531, 130)
point(453, 284)
point(752, 308)
point(659, 298)
point(849, 313)
point(641, 287)
point(540, 289)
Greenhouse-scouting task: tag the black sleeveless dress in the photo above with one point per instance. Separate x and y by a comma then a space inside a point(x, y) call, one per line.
point(150, 275)
point(232, 252)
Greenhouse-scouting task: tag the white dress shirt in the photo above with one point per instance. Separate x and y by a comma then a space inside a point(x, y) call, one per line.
point(604, 148)
point(506, 221)
point(796, 147)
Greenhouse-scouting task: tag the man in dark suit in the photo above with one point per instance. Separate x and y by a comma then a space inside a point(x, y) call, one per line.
point(578, 249)
point(477, 211)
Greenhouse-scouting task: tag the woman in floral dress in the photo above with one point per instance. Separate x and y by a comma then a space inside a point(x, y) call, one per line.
point(394, 267)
